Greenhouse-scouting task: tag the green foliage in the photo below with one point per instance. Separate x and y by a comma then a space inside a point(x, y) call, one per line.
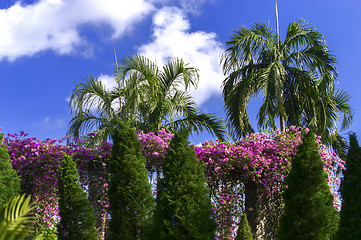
point(150, 98)
point(16, 219)
point(130, 196)
point(183, 206)
point(350, 215)
point(309, 212)
point(244, 230)
point(9, 180)
point(77, 220)
point(296, 77)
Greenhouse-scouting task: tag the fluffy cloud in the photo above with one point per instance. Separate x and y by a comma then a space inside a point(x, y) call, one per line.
point(50, 123)
point(189, 6)
point(172, 38)
point(108, 81)
point(54, 24)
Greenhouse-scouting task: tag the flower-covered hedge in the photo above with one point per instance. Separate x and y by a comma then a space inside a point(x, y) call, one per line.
point(262, 158)
point(37, 164)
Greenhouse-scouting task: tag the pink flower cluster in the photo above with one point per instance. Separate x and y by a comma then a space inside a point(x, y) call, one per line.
point(226, 205)
point(37, 163)
point(154, 147)
point(263, 158)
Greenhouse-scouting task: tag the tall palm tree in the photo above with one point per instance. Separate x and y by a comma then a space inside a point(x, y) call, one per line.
point(146, 97)
point(296, 78)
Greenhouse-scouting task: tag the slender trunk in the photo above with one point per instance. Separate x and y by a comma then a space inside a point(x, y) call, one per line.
point(282, 114)
point(282, 124)
point(97, 178)
point(278, 29)
point(252, 207)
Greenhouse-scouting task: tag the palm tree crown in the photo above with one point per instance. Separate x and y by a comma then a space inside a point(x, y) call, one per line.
point(296, 78)
point(145, 97)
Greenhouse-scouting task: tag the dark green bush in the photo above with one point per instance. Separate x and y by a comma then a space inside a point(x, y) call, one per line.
point(130, 196)
point(9, 180)
point(350, 215)
point(244, 230)
point(77, 219)
point(309, 212)
point(183, 206)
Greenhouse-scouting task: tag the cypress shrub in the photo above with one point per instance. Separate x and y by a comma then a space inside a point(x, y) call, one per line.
point(244, 230)
point(130, 195)
point(183, 206)
point(77, 219)
point(9, 179)
point(350, 215)
point(309, 212)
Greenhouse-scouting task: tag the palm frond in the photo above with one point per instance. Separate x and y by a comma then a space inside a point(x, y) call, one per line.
point(16, 219)
point(176, 73)
point(296, 77)
point(87, 122)
point(342, 100)
point(200, 122)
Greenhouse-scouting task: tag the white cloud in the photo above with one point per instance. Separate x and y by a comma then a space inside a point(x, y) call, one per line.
point(50, 123)
point(108, 81)
point(172, 38)
point(54, 24)
point(192, 5)
point(189, 6)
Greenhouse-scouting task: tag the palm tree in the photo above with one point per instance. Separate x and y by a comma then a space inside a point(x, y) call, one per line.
point(296, 77)
point(145, 97)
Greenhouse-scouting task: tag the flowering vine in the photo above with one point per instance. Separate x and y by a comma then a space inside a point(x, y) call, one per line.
point(262, 158)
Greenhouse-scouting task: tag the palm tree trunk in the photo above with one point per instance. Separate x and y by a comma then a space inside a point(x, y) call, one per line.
point(282, 113)
point(282, 119)
point(278, 29)
point(97, 178)
point(282, 124)
point(252, 205)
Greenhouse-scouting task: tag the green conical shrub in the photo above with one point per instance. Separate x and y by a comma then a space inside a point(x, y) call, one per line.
point(183, 206)
point(77, 219)
point(130, 194)
point(244, 230)
point(350, 215)
point(309, 212)
point(9, 180)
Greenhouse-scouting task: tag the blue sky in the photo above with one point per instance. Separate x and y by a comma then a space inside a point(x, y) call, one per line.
point(46, 46)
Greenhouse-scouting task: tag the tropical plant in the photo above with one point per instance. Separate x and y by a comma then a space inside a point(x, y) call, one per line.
point(16, 219)
point(77, 219)
point(350, 215)
point(9, 179)
point(183, 205)
point(296, 77)
point(309, 212)
point(145, 97)
point(130, 196)
point(244, 231)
